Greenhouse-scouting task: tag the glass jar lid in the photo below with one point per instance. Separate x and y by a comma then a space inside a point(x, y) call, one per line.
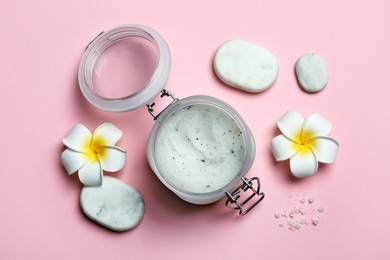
point(98, 50)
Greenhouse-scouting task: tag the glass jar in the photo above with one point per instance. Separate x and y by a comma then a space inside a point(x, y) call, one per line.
point(199, 147)
point(205, 148)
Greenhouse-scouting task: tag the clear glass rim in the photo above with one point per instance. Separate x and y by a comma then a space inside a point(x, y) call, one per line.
point(108, 38)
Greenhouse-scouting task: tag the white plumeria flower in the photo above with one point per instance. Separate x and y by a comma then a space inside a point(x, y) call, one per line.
point(91, 154)
point(304, 142)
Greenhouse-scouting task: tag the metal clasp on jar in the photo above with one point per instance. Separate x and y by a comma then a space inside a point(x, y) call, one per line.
point(164, 93)
point(255, 198)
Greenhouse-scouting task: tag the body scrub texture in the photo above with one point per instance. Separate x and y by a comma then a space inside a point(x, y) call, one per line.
point(200, 148)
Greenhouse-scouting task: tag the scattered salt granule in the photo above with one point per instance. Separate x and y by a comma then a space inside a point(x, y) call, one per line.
point(303, 221)
point(302, 210)
point(293, 225)
point(296, 224)
point(293, 212)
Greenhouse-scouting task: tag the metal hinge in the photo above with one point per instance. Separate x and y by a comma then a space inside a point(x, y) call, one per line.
point(164, 93)
point(234, 196)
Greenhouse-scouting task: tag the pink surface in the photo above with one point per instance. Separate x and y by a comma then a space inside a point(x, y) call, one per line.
point(41, 45)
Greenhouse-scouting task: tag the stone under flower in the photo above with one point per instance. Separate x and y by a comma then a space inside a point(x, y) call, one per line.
point(305, 142)
point(91, 154)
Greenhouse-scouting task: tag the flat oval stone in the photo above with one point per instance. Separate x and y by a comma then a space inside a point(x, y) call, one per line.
point(311, 72)
point(114, 205)
point(245, 65)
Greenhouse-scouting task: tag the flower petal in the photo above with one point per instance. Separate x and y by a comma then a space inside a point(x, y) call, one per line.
point(73, 160)
point(291, 124)
point(113, 158)
point(304, 164)
point(110, 133)
point(325, 149)
point(317, 125)
point(77, 137)
point(91, 174)
point(283, 148)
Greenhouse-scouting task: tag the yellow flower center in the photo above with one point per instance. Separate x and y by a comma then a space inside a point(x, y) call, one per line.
point(94, 149)
point(304, 141)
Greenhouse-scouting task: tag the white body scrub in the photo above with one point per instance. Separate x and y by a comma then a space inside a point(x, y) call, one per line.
point(200, 148)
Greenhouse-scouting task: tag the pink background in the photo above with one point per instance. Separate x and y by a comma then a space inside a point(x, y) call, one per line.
point(41, 45)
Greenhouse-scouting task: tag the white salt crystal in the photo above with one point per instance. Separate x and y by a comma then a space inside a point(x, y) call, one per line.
point(299, 215)
point(302, 210)
point(315, 221)
point(293, 225)
point(293, 212)
point(303, 221)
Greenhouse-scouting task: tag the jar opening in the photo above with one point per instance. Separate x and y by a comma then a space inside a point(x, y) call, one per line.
point(200, 148)
point(124, 68)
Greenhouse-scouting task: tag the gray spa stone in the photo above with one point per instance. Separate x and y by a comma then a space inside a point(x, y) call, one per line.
point(114, 205)
point(311, 72)
point(245, 65)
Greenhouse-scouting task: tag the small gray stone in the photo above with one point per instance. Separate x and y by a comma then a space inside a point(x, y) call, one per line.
point(311, 72)
point(114, 205)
